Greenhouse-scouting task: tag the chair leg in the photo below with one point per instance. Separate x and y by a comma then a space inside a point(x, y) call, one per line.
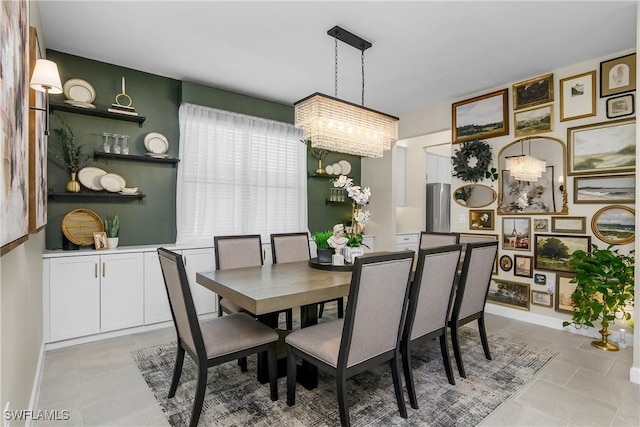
point(446, 359)
point(273, 371)
point(343, 405)
point(320, 310)
point(289, 316)
point(242, 362)
point(199, 397)
point(456, 350)
point(291, 378)
point(219, 306)
point(177, 371)
point(340, 302)
point(408, 373)
point(483, 337)
point(397, 385)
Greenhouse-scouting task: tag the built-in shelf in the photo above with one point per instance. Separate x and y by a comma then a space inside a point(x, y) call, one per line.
point(334, 202)
point(321, 175)
point(94, 195)
point(133, 157)
point(95, 112)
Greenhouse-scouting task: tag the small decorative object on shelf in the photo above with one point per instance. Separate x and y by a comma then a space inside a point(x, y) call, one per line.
point(123, 103)
point(317, 154)
point(112, 228)
point(324, 251)
point(462, 158)
point(116, 143)
point(106, 145)
point(124, 146)
point(71, 157)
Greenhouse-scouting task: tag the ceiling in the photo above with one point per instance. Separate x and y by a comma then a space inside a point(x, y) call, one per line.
point(424, 52)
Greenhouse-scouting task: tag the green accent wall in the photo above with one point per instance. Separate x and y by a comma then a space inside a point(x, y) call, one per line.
point(153, 220)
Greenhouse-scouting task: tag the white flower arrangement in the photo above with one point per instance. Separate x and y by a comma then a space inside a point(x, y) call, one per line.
point(360, 197)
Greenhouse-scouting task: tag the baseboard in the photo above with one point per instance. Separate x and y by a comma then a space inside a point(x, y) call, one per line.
point(634, 375)
point(35, 389)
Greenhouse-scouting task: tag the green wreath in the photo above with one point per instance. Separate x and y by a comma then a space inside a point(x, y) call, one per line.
point(461, 159)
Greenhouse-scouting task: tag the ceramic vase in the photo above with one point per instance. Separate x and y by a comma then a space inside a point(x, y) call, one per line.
point(112, 242)
point(324, 255)
point(73, 186)
point(350, 253)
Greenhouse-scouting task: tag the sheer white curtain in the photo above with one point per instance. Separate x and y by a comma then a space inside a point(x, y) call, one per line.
point(238, 175)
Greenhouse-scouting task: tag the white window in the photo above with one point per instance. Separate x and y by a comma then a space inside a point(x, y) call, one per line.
point(238, 175)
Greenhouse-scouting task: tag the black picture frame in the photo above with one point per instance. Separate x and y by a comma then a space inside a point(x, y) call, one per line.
point(506, 263)
point(621, 106)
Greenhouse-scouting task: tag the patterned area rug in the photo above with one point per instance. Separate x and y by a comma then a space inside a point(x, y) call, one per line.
point(234, 398)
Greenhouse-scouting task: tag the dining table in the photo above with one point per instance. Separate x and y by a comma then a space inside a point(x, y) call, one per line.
point(272, 288)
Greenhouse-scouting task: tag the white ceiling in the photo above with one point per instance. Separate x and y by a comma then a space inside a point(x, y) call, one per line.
point(424, 52)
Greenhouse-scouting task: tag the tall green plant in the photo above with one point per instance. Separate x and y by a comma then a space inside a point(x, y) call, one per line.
point(112, 225)
point(604, 286)
point(321, 238)
point(69, 155)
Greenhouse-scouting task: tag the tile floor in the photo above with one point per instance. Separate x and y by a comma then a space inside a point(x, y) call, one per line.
point(100, 385)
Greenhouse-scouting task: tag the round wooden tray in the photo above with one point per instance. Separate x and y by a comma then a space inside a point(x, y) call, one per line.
point(79, 225)
point(313, 263)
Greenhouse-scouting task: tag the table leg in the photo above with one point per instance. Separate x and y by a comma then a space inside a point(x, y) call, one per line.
point(307, 375)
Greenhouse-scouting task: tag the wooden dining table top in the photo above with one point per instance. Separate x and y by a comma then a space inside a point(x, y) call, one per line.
point(275, 287)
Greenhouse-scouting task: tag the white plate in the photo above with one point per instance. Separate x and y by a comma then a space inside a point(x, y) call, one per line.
point(79, 90)
point(156, 143)
point(132, 190)
point(113, 182)
point(329, 170)
point(79, 104)
point(337, 169)
point(158, 156)
point(346, 167)
point(90, 178)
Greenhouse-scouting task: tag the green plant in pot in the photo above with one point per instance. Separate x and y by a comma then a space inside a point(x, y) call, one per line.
point(112, 228)
point(69, 155)
point(324, 251)
point(604, 287)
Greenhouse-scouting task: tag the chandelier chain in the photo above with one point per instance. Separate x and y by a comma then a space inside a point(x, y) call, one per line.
point(362, 58)
point(335, 93)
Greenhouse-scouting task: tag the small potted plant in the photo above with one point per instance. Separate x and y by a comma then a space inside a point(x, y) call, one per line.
point(112, 228)
point(604, 286)
point(71, 157)
point(324, 251)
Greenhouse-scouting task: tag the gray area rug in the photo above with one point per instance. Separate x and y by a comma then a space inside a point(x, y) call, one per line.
point(234, 398)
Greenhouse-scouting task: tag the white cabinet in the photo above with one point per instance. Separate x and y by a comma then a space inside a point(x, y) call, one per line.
point(196, 261)
point(156, 302)
point(407, 241)
point(93, 294)
point(74, 302)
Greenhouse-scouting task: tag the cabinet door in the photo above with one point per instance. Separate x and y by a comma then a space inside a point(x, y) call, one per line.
point(121, 291)
point(196, 261)
point(156, 302)
point(74, 297)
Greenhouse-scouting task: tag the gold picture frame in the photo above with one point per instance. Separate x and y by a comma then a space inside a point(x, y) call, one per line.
point(510, 294)
point(564, 289)
point(578, 96)
point(535, 91)
point(533, 121)
point(618, 75)
point(605, 189)
point(541, 298)
point(481, 219)
point(614, 224)
point(569, 224)
point(468, 124)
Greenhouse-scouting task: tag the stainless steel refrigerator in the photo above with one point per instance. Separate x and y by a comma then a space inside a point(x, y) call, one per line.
point(438, 207)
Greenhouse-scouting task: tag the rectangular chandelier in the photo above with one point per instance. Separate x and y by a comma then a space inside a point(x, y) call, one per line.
point(525, 168)
point(341, 126)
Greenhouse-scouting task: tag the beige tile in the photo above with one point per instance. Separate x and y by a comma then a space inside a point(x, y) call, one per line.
point(104, 387)
point(589, 358)
point(557, 373)
point(136, 409)
point(610, 390)
point(514, 413)
point(60, 365)
point(104, 361)
point(72, 418)
point(628, 418)
point(56, 390)
point(558, 338)
point(576, 408)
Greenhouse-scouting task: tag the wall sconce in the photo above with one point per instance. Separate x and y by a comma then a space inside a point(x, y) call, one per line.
point(45, 78)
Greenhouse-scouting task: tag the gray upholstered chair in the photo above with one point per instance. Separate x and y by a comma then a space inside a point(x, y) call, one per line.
point(292, 247)
point(471, 295)
point(432, 239)
point(428, 311)
point(212, 342)
point(368, 335)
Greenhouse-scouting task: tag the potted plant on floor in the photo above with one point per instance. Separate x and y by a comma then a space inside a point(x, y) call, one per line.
point(112, 227)
point(324, 251)
point(604, 286)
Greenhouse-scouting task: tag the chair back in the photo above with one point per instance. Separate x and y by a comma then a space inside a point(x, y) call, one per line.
point(290, 247)
point(237, 251)
point(431, 291)
point(183, 310)
point(434, 239)
point(475, 278)
point(377, 304)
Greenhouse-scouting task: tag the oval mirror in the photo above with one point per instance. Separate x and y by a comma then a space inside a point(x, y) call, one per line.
point(474, 195)
point(533, 195)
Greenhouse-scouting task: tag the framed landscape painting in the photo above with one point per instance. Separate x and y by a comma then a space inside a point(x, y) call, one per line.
point(523, 265)
point(480, 117)
point(620, 106)
point(533, 121)
point(541, 298)
point(602, 148)
point(553, 251)
point(605, 189)
point(511, 294)
point(615, 224)
point(538, 90)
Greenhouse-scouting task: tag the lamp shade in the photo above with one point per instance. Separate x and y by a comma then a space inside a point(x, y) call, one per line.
point(340, 126)
point(45, 77)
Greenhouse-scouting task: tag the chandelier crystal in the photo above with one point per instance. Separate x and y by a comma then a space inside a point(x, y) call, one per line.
point(525, 168)
point(340, 126)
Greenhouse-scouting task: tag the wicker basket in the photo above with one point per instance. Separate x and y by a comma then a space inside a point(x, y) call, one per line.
point(79, 225)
